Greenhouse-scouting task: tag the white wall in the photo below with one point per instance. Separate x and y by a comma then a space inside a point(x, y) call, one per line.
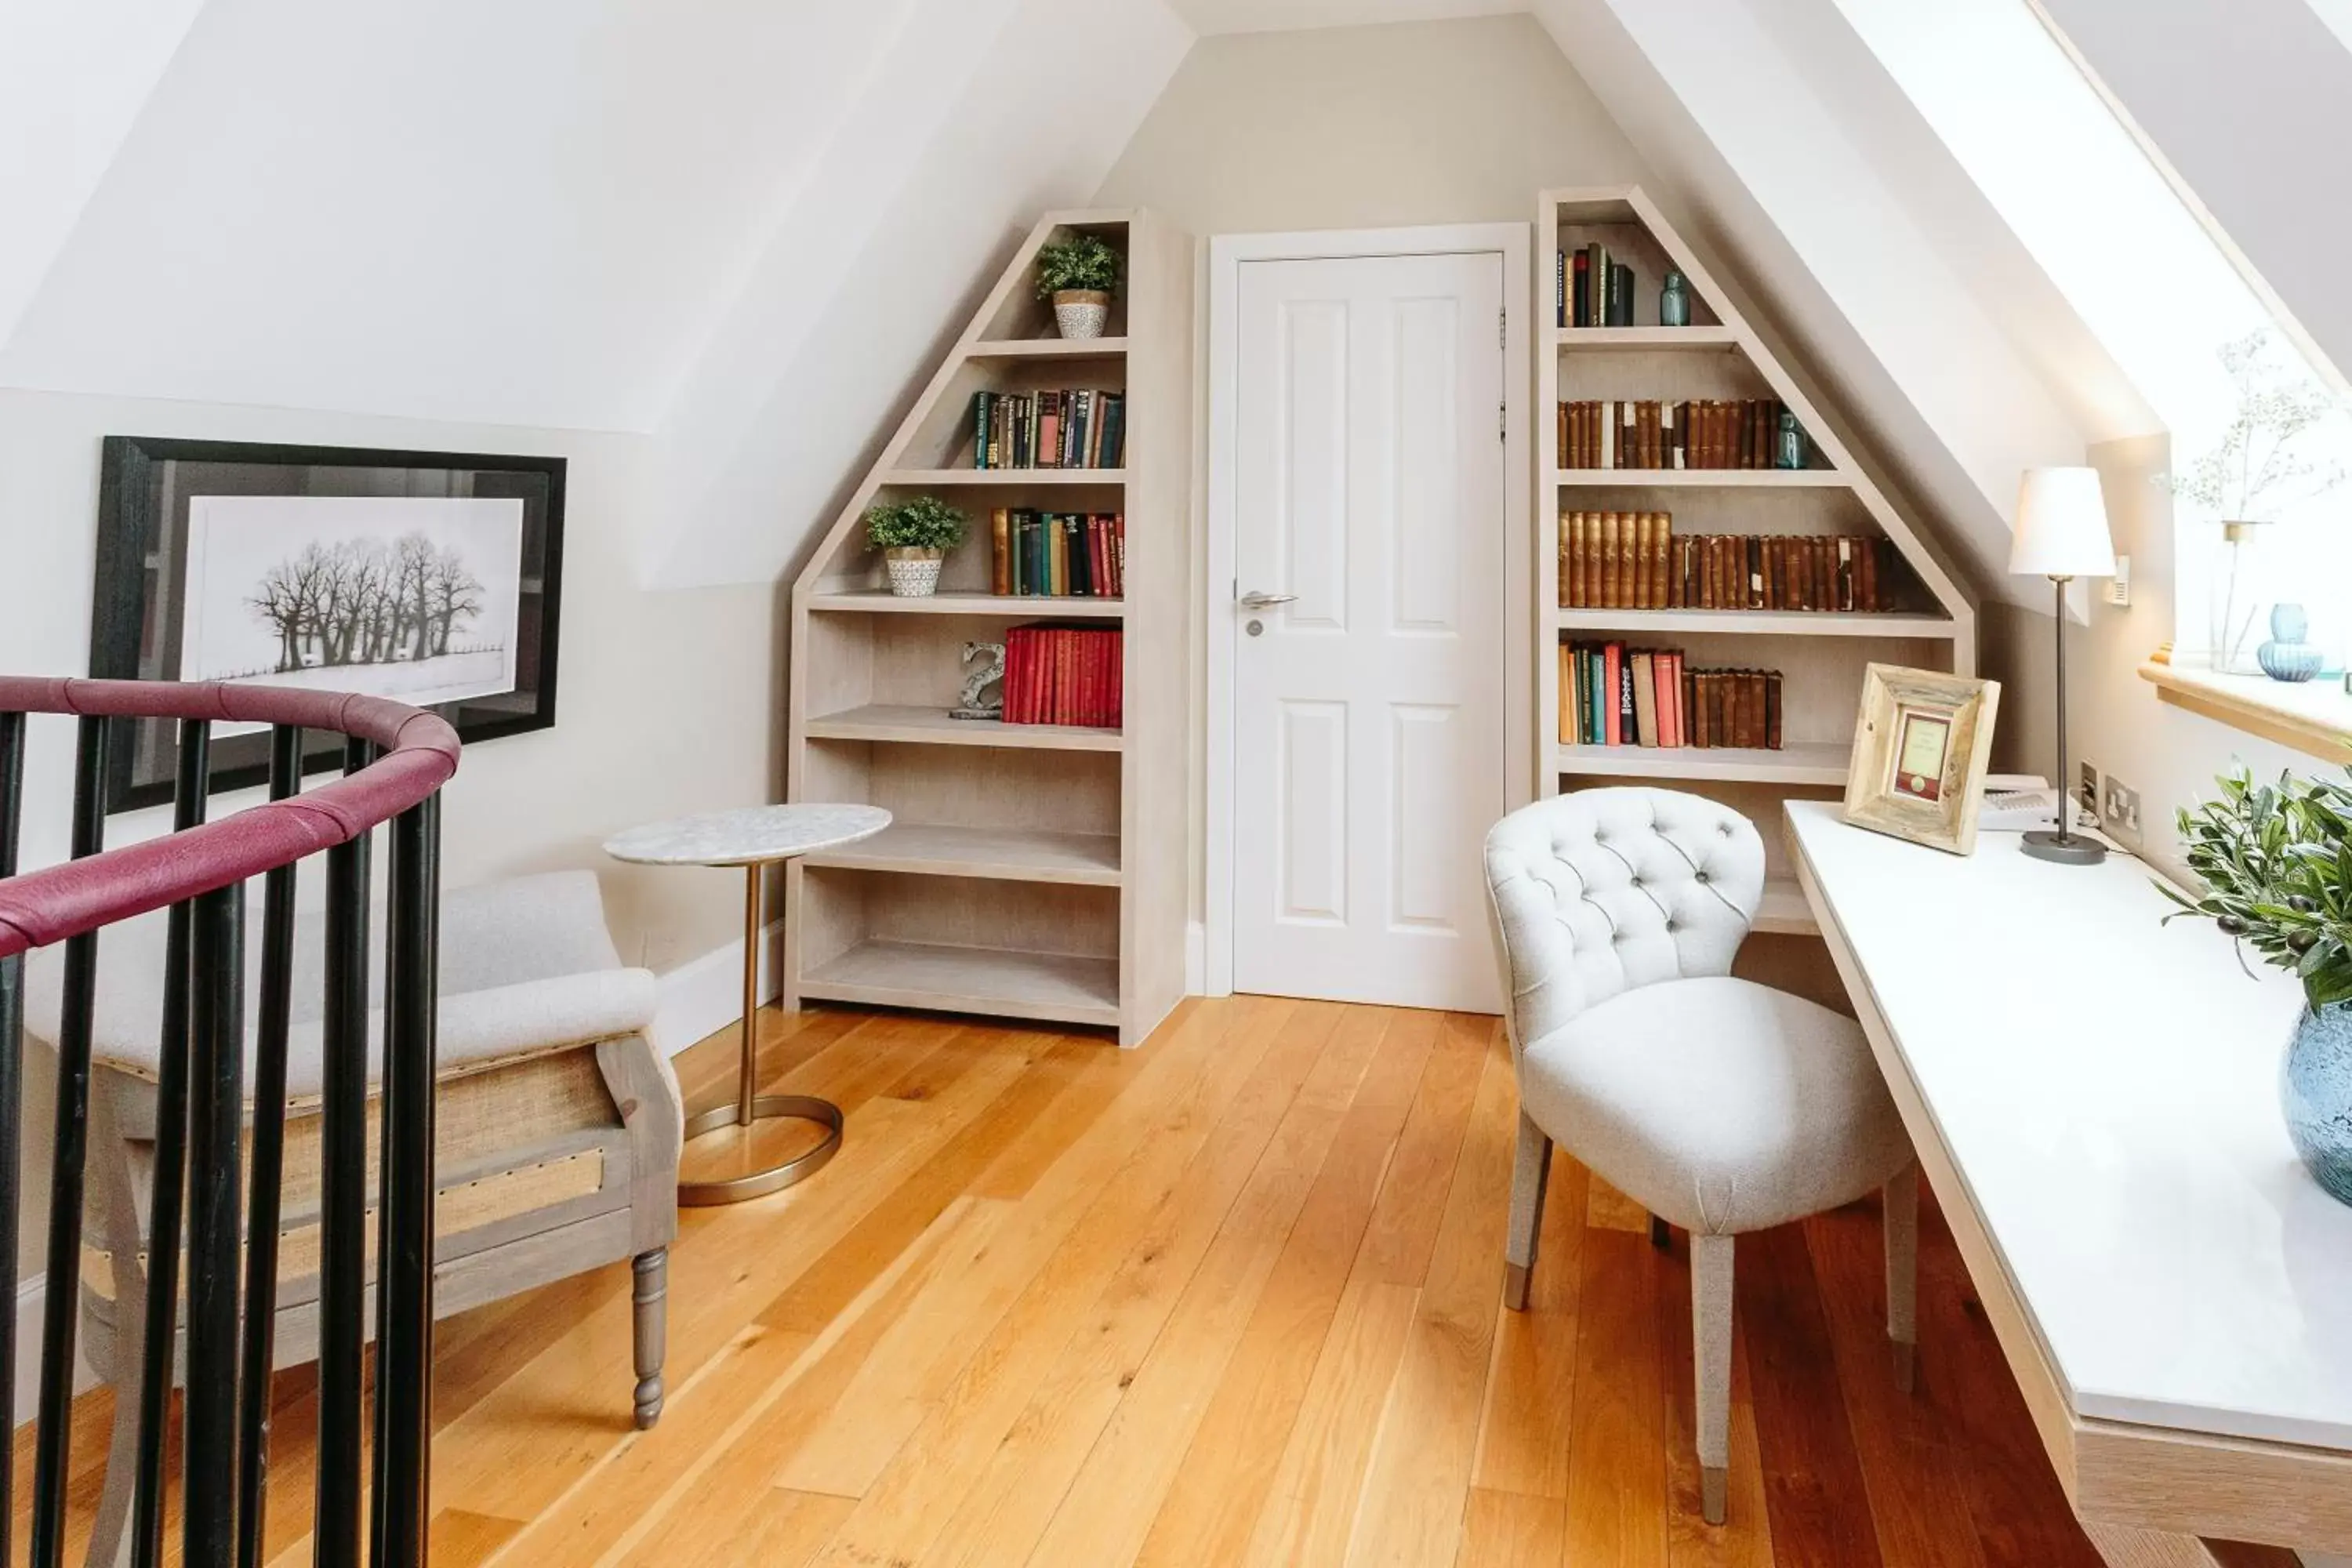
point(666, 700)
point(1386, 126)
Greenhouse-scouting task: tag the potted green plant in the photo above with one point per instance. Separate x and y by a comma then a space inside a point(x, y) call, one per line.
point(913, 536)
point(2275, 862)
point(1077, 275)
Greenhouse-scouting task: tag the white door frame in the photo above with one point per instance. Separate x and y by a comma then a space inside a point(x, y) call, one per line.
point(1227, 252)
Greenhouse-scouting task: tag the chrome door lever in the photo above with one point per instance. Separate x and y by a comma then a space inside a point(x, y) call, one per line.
point(1255, 600)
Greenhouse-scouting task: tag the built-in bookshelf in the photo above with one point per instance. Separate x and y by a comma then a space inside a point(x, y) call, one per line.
point(1645, 379)
point(1032, 870)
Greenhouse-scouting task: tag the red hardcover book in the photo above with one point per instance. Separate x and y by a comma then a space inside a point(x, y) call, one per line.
point(1016, 671)
point(1612, 659)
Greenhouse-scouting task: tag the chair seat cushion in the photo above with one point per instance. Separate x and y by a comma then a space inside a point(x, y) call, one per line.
point(1717, 1104)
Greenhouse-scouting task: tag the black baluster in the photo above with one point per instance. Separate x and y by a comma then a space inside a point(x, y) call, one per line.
point(12, 1067)
point(342, 1198)
point(276, 1004)
point(70, 1153)
point(161, 1307)
point(403, 1366)
point(215, 1114)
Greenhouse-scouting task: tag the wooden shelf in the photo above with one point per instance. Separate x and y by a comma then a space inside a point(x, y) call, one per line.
point(1813, 763)
point(999, 981)
point(931, 726)
point(934, 478)
point(1784, 913)
point(1709, 338)
point(1701, 478)
point(1046, 348)
point(882, 602)
point(995, 854)
point(1758, 623)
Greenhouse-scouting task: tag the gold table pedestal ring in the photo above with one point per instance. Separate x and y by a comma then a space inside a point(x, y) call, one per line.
point(753, 838)
point(750, 1106)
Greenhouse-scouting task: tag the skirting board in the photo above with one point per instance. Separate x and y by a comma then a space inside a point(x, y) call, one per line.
point(32, 1300)
point(1196, 959)
point(705, 995)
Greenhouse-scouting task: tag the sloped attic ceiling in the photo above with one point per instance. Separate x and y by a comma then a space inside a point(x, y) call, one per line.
point(742, 230)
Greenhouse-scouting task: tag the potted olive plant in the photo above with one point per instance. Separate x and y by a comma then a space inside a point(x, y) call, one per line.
point(913, 537)
point(2276, 865)
point(1077, 275)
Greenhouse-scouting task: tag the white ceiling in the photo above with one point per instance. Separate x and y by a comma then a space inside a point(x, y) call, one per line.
point(1210, 16)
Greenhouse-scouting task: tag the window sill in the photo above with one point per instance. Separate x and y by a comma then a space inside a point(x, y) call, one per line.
point(2314, 717)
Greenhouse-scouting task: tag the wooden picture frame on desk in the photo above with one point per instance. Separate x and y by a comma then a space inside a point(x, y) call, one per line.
point(1922, 743)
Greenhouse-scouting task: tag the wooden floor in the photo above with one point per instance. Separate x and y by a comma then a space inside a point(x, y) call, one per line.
point(1230, 1299)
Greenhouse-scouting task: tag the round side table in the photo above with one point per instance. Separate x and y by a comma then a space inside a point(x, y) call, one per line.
point(753, 838)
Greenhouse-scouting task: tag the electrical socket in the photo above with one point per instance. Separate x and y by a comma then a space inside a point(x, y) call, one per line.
point(2087, 788)
point(2119, 811)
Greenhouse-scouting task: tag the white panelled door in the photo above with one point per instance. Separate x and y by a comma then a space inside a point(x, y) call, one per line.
point(1368, 684)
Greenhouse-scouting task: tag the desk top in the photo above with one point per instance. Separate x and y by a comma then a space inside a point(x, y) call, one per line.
point(2107, 1090)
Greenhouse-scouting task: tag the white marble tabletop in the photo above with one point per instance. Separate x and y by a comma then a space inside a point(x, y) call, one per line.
point(2107, 1088)
point(747, 835)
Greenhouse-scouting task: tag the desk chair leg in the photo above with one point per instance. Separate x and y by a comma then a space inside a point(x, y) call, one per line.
point(1711, 1345)
point(1530, 1174)
point(1899, 1207)
point(651, 1301)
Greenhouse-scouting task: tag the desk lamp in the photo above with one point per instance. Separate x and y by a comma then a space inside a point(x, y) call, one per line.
point(2061, 534)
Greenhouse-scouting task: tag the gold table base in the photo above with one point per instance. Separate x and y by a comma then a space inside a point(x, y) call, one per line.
point(751, 1107)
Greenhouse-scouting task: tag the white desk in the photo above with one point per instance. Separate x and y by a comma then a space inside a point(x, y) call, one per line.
point(2094, 1097)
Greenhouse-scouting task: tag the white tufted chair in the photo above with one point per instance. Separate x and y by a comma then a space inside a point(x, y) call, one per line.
point(1720, 1105)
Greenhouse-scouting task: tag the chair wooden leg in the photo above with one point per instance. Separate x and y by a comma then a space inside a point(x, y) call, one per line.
point(1711, 1347)
point(651, 1301)
point(1900, 1210)
point(1530, 1174)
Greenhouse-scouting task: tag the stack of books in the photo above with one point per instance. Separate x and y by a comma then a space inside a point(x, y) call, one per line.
point(1081, 429)
point(1633, 561)
point(1611, 695)
point(1700, 433)
point(1592, 289)
point(1057, 554)
point(1064, 675)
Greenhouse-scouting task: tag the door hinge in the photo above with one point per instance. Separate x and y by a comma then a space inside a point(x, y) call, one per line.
point(1503, 422)
point(1503, 327)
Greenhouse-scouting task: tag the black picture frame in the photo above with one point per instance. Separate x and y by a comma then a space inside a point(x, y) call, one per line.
point(138, 598)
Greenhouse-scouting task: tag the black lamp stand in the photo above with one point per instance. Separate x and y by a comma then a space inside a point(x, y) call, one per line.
point(2065, 847)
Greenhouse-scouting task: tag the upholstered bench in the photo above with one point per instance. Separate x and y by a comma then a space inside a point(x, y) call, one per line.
point(557, 1125)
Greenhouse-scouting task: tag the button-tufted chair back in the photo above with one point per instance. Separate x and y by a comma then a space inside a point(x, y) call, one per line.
point(1604, 889)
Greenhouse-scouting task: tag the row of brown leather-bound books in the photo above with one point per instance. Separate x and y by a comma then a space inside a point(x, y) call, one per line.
point(1612, 433)
point(1634, 560)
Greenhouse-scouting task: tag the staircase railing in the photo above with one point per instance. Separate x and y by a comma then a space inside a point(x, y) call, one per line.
point(396, 760)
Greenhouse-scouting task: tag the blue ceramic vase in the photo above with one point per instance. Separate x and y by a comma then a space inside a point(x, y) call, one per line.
point(2316, 1092)
point(2286, 657)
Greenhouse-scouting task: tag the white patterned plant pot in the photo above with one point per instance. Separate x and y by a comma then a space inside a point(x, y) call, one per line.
point(914, 573)
point(1081, 312)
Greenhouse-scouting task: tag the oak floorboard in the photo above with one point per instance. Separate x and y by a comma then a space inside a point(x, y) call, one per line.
point(1100, 1444)
point(1223, 1481)
point(1814, 1488)
point(1234, 1291)
point(1617, 1502)
point(1512, 1529)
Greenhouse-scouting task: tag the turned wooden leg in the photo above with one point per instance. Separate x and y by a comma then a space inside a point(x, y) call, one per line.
point(1530, 1174)
point(651, 1300)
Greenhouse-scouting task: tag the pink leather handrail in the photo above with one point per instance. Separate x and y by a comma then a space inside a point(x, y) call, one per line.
point(420, 752)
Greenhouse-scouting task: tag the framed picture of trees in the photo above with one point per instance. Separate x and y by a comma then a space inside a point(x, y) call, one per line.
point(431, 577)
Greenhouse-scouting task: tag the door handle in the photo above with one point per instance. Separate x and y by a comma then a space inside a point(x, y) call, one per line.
point(1253, 600)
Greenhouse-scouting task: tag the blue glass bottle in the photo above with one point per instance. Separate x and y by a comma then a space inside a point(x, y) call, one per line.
point(1674, 300)
point(1791, 451)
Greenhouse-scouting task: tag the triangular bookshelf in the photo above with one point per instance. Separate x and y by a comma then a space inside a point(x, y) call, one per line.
point(1032, 871)
point(1928, 620)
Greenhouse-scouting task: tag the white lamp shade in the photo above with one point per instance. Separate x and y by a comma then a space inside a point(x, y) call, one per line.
point(2062, 526)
